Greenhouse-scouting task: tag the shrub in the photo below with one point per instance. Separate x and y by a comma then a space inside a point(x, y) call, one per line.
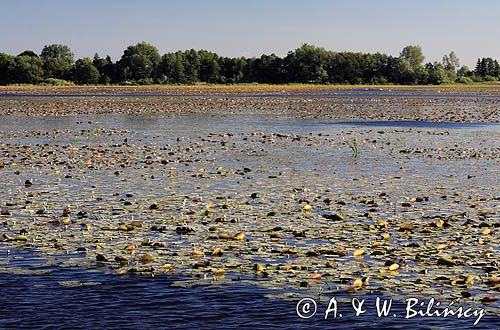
point(57, 82)
point(464, 80)
point(490, 78)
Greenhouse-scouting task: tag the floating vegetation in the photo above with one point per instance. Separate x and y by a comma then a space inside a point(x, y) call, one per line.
point(354, 145)
point(277, 206)
point(455, 103)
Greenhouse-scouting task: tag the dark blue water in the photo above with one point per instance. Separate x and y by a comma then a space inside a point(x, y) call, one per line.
point(411, 124)
point(138, 302)
point(142, 302)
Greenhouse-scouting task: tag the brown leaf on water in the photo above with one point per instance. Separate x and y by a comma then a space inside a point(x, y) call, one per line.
point(394, 267)
point(441, 247)
point(382, 223)
point(197, 253)
point(494, 280)
point(406, 227)
point(217, 252)
point(239, 237)
point(277, 235)
point(21, 238)
point(146, 258)
point(219, 272)
point(131, 248)
point(358, 283)
point(489, 300)
point(359, 252)
point(316, 277)
point(444, 261)
point(258, 267)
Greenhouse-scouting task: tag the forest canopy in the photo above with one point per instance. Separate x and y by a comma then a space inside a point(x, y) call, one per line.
point(143, 64)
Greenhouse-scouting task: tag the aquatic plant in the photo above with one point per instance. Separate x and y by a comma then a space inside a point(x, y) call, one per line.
point(354, 145)
point(401, 142)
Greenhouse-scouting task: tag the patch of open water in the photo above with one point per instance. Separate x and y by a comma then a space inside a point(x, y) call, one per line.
point(345, 93)
point(72, 298)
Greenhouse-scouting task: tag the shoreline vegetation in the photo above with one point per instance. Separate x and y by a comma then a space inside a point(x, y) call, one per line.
point(142, 64)
point(250, 86)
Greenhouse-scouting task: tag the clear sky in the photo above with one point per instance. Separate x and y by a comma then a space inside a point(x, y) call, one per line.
point(252, 27)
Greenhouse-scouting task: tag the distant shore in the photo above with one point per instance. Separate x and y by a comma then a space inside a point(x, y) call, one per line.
point(238, 88)
point(452, 103)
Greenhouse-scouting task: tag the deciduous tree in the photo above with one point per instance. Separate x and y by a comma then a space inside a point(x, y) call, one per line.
point(57, 61)
point(85, 72)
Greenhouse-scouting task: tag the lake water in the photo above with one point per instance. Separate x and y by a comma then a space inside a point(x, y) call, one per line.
point(354, 93)
point(101, 300)
point(141, 302)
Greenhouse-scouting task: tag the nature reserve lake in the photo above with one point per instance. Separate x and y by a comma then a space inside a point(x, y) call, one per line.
point(205, 207)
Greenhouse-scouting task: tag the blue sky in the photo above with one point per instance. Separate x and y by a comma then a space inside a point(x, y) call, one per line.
point(253, 27)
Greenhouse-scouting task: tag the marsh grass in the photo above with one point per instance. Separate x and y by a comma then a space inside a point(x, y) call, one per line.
point(401, 142)
point(354, 145)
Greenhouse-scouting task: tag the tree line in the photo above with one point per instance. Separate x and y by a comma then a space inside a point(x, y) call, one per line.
point(143, 64)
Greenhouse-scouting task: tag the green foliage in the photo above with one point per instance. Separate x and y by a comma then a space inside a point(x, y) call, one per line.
point(475, 78)
point(28, 53)
point(209, 67)
point(437, 73)
point(85, 72)
point(145, 81)
point(57, 82)
point(266, 69)
point(171, 69)
point(27, 70)
point(307, 64)
point(464, 71)
point(106, 69)
point(355, 148)
point(231, 69)
point(487, 67)
point(464, 80)
point(191, 65)
point(142, 64)
point(139, 62)
point(490, 78)
point(451, 61)
point(414, 55)
point(6, 65)
point(57, 61)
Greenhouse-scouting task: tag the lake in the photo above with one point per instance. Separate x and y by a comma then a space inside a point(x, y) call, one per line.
point(217, 220)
